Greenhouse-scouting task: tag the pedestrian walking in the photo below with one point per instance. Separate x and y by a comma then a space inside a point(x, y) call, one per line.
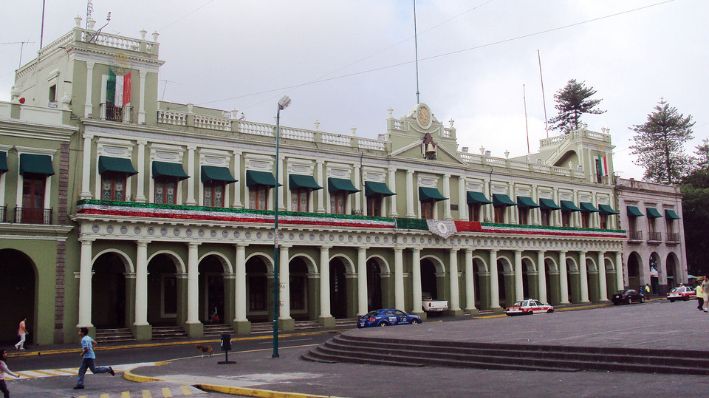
point(22, 334)
point(3, 371)
point(700, 296)
point(705, 293)
point(88, 358)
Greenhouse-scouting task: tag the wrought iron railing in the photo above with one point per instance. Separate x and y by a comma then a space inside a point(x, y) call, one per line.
point(672, 237)
point(654, 236)
point(2, 214)
point(635, 235)
point(26, 215)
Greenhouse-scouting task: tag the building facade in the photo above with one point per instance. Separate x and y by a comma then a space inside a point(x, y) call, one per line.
point(142, 214)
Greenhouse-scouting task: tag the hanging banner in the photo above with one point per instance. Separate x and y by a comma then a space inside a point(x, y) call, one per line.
point(442, 228)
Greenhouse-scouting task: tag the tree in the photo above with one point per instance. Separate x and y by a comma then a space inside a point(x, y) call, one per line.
point(702, 152)
point(572, 101)
point(695, 216)
point(659, 144)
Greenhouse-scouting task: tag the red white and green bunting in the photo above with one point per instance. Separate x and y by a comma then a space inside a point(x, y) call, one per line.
point(204, 214)
point(546, 231)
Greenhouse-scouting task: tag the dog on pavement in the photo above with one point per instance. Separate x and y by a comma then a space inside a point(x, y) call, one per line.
point(205, 350)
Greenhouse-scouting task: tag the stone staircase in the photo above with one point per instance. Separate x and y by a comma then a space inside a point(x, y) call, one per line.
point(399, 352)
point(118, 335)
point(302, 326)
point(169, 333)
point(216, 331)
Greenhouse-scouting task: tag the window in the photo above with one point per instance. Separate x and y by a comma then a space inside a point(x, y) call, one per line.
point(500, 214)
point(338, 202)
point(546, 217)
point(565, 218)
point(214, 194)
point(32, 199)
point(374, 206)
point(166, 191)
point(427, 210)
point(53, 93)
point(603, 218)
point(113, 186)
point(585, 219)
point(651, 225)
point(258, 197)
point(299, 200)
point(474, 212)
point(523, 213)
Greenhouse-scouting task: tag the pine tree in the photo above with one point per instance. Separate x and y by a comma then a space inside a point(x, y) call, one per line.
point(659, 144)
point(572, 101)
point(702, 152)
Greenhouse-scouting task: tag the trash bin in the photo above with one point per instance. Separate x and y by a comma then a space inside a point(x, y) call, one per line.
point(226, 342)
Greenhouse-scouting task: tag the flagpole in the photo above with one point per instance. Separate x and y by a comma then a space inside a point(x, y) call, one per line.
point(416, 48)
point(41, 32)
point(526, 125)
point(544, 101)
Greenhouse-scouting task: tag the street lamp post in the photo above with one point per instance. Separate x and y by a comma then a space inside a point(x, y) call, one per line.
point(282, 104)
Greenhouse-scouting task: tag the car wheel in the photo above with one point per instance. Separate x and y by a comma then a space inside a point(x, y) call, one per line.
point(383, 324)
point(416, 322)
point(672, 300)
point(686, 299)
point(549, 311)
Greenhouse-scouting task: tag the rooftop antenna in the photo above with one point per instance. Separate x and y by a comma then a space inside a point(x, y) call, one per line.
point(416, 47)
point(162, 97)
point(89, 12)
point(544, 101)
point(98, 31)
point(526, 125)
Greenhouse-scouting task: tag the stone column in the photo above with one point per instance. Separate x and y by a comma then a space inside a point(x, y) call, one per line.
point(358, 195)
point(321, 192)
point(141, 329)
point(190, 172)
point(619, 271)
point(563, 282)
point(141, 107)
point(494, 287)
point(462, 200)
point(541, 275)
point(469, 282)
point(455, 289)
point(237, 185)
point(392, 186)
point(86, 169)
point(88, 105)
point(603, 295)
point(519, 283)
point(193, 326)
point(447, 194)
point(284, 318)
point(140, 177)
point(326, 318)
point(410, 194)
point(85, 274)
point(416, 280)
point(399, 278)
point(241, 323)
point(362, 307)
point(583, 271)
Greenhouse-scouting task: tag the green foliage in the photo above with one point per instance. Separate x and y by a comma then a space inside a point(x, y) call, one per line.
point(572, 101)
point(702, 152)
point(695, 216)
point(659, 144)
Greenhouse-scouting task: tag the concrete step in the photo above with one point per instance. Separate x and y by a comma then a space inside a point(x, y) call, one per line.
point(217, 330)
point(115, 335)
point(169, 333)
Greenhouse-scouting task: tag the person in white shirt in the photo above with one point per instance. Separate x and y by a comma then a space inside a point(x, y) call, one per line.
point(3, 371)
point(22, 333)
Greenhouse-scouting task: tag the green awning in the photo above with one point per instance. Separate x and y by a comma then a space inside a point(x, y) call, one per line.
point(477, 198)
point(430, 194)
point(500, 199)
point(568, 206)
point(215, 173)
point(653, 213)
point(36, 164)
point(588, 207)
point(3, 162)
point(633, 211)
point(340, 185)
point(526, 201)
point(372, 188)
point(299, 181)
point(107, 164)
point(260, 178)
point(671, 214)
point(607, 210)
point(169, 170)
point(548, 204)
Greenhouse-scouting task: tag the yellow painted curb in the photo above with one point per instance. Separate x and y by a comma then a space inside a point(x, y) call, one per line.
point(252, 392)
point(130, 376)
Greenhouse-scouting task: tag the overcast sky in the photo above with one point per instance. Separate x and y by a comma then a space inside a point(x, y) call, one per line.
point(357, 58)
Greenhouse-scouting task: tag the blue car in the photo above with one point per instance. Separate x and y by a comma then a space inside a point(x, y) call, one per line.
point(387, 317)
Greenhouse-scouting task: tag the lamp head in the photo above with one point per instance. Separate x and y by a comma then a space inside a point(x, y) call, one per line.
point(284, 102)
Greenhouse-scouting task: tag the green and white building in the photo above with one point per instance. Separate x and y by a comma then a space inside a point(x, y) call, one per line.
point(125, 212)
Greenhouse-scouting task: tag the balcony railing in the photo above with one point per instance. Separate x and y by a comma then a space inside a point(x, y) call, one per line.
point(654, 236)
point(32, 216)
point(635, 235)
point(672, 237)
point(2, 214)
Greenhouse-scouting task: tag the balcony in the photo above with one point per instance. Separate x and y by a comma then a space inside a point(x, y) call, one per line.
point(32, 216)
point(672, 238)
point(3, 214)
point(654, 237)
point(635, 236)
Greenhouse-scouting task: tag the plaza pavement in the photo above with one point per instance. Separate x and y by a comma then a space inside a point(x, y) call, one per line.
point(658, 325)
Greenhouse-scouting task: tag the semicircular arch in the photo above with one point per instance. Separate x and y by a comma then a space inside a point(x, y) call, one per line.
point(309, 262)
point(127, 263)
point(176, 260)
point(226, 264)
point(382, 262)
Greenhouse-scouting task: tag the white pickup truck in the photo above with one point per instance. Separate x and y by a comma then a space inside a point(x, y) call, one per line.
point(430, 305)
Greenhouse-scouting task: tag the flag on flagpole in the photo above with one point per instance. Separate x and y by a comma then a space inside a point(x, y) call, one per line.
point(127, 88)
point(118, 89)
point(111, 88)
point(119, 92)
point(601, 165)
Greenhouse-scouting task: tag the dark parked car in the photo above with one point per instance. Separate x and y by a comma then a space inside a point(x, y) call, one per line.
point(387, 317)
point(628, 296)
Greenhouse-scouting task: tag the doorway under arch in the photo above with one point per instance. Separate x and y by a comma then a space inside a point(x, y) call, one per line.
point(212, 290)
point(164, 291)
point(258, 299)
point(299, 289)
point(18, 287)
point(338, 288)
point(673, 272)
point(109, 305)
point(655, 265)
point(375, 291)
point(634, 262)
point(505, 277)
point(481, 296)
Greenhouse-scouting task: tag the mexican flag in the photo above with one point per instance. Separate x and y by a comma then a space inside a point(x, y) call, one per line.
point(118, 89)
point(601, 165)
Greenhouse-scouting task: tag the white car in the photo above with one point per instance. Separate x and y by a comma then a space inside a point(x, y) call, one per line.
point(528, 307)
point(430, 305)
